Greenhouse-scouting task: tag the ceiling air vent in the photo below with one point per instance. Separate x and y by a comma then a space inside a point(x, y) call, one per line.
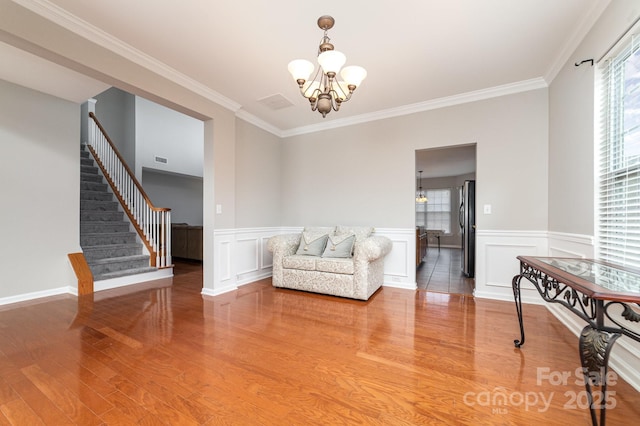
point(161, 160)
point(275, 102)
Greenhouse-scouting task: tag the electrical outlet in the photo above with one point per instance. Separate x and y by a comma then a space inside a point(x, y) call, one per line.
point(218, 208)
point(487, 209)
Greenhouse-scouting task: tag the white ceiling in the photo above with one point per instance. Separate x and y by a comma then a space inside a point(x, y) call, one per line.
point(418, 53)
point(444, 162)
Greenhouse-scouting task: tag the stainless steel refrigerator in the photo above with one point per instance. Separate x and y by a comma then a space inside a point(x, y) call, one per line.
point(468, 227)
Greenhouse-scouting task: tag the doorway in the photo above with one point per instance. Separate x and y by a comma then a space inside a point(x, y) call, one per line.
point(441, 265)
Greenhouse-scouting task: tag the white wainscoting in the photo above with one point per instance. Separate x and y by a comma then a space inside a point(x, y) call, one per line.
point(241, 257)
point(400, 263)
point(497, 263)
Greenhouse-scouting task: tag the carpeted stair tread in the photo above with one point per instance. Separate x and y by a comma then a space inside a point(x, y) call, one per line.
point(99, 205)
point(123, 273)
point(97, 227)
point(99, 239)
point(88, 169)
point(89, 195)
point(101, 216)
point(108, 265)
point(92, 253)
point(94, 186)
point(108, 260)
point(90, 177)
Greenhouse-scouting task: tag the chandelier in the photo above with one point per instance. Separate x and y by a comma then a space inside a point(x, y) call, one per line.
point(421, 198)
point(326, 92)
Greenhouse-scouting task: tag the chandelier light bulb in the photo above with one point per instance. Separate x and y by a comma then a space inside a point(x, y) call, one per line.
point(342, 91)
point(353, 75)
point(331, 61)
point(300, 69)
point(311, 87)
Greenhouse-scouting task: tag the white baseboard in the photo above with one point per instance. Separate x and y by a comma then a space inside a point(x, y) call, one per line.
point(97, 286)
point(132, 279)
point(403, 286)
point(26, 297)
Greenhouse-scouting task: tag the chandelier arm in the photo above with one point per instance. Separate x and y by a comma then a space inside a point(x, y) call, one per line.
point(340, 92)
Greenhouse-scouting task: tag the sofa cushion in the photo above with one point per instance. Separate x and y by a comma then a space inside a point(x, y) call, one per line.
point(320, 229)
point(312, 243)
point(361, 232)
point(308, 263)
point(340, 245)
point(335, 265)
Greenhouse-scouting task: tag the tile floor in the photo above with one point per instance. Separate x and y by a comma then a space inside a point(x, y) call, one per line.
point(441, 272)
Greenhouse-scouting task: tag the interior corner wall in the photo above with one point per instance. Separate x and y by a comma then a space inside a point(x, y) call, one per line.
point(115, 110)
point(573, 109)
point(258, 177)
point(163, 133)
point(40, 203)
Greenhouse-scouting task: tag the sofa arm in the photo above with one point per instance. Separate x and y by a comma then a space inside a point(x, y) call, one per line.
point(284, 244)
point(372, 248)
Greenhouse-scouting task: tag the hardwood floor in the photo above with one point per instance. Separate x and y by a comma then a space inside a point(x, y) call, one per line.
point(160, 353)
point(441, 272)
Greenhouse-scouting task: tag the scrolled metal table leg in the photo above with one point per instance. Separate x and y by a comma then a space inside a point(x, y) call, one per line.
point(595, 347)
point(518, 299)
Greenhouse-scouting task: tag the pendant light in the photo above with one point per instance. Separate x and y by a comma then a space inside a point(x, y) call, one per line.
point(420, 198)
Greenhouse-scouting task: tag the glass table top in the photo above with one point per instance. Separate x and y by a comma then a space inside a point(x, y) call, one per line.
point(606, 276)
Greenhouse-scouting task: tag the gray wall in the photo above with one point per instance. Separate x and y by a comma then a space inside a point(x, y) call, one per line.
point(115, 110)
point(163, 132)
point(182, 194)
point(40, 202)
point(258, 177)
point(364, 174)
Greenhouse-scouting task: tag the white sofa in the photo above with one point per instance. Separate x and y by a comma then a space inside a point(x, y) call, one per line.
point(340, 261)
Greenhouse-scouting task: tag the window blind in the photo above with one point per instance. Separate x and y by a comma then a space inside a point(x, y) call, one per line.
point(439, 210)
point(618, 212)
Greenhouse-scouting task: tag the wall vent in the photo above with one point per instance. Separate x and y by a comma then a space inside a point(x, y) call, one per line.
point(161, 160)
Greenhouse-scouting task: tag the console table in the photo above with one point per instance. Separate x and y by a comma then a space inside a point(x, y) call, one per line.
point(604, 295)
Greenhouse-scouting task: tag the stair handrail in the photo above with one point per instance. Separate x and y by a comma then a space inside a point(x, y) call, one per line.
point(153, 224)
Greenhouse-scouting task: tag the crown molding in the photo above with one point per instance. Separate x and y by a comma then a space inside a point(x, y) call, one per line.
point(258, 122)
point(478, 95)
point(576, 38)
point(56, 14)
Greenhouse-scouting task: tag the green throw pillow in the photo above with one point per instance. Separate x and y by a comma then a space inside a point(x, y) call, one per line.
point(312, 244)
point(339, 245)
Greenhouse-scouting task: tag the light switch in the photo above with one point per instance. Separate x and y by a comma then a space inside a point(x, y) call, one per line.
point(487, 209)
point(218, 208)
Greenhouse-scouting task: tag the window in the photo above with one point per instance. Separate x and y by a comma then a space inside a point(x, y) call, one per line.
point(618, 235)
point(439, 210)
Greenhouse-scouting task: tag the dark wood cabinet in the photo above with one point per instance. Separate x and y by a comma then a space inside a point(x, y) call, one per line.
point(186, 241)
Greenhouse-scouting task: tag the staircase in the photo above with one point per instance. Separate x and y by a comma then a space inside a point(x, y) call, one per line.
point(111, 249)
